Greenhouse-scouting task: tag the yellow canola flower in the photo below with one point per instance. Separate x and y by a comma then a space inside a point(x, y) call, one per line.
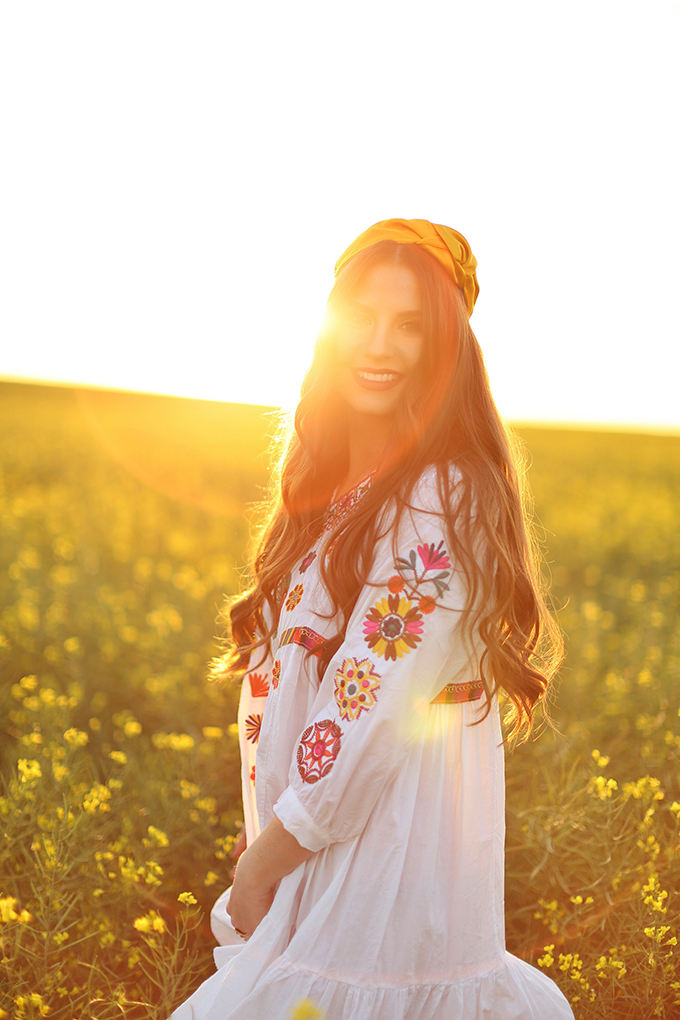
point(23, 1002)
point(548, 959)
point(601, 760)
point(173, 741)
point(119, 757)
point(188, 898)
point(158, 836)
point(29, 769)
point(7, 911)
point(76, 738)
point(602, 788)
point(305, 1009)
point(150, 922)
point(59, 771)
point(212, 732)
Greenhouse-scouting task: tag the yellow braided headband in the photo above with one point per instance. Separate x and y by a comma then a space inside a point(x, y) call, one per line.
point(448, 246)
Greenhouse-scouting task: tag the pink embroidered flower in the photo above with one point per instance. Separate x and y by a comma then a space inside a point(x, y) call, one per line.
point(434, 558)
point(252, 774)
point(356, 683)
point(253, 725)
point(294, 597)
point(393, 627)
point(259, 688)
point(308, 560)
point(276, 674)
point(318, 748)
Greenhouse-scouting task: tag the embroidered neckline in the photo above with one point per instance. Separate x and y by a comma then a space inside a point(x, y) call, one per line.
point(342, 507)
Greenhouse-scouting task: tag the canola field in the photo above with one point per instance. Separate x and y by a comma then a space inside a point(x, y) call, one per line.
point(124, 520)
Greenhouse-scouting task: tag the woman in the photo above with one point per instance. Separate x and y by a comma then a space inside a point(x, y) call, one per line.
point(395, 596)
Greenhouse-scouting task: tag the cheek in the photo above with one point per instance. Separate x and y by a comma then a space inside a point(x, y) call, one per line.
point(346, 348)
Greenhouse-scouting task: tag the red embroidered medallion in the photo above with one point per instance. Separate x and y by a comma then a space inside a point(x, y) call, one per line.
point(318, 748)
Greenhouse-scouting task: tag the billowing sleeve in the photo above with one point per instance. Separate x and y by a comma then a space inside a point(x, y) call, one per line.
point(404, 644)
point(252, 703)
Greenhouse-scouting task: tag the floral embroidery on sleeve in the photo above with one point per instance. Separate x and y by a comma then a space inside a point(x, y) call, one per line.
point(308, 560)
point(253, 725)
point(411, 580)
point(259, 688)
point(276, 674)
point(356, 683)
point(393, 627)
point(294, 597)
point(318, 748)
point(252, 774)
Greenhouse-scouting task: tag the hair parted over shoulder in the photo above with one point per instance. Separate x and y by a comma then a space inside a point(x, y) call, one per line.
point(448, 418)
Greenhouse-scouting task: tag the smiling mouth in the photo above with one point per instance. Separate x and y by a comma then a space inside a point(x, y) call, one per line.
point(376, 380)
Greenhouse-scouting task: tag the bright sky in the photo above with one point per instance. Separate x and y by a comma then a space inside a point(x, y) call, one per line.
point(179, 179)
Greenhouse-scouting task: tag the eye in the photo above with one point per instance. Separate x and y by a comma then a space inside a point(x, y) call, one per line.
point(411, 326)
point(359, 319)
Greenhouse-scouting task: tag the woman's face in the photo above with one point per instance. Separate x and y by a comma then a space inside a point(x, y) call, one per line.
point(380, 340)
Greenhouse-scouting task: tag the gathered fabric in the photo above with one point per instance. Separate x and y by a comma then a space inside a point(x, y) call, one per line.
point(378, 769)
point(448, 246)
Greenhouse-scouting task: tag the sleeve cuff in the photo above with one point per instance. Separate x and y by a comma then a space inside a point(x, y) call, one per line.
point(298, 823)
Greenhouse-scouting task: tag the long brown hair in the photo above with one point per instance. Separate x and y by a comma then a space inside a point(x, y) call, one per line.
point(448, 418)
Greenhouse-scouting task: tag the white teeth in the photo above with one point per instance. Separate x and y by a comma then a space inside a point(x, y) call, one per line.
point(377, 377)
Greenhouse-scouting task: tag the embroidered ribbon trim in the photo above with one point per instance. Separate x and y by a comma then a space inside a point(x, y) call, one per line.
point(455, 694)
point(303, 636)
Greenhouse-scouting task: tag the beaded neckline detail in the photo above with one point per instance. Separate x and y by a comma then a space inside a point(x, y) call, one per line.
point(344, 506)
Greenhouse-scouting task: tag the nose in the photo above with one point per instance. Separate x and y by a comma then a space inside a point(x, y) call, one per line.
point(379, 341)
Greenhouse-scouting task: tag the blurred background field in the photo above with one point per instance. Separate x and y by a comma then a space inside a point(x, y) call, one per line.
point(123, 524)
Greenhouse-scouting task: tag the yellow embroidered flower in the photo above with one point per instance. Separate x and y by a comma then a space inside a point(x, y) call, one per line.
point(393, 627)
point(356, 683)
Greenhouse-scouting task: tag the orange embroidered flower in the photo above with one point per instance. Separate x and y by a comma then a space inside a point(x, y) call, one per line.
point(259, 688)
point(395, 584)
point(294, 597)
point(276, 674)
point(427, 604)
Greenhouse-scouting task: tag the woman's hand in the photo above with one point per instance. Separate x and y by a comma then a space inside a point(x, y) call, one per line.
point(259, 870)
point(249, 899)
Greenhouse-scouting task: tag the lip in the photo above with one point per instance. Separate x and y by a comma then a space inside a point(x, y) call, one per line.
point(376, 379)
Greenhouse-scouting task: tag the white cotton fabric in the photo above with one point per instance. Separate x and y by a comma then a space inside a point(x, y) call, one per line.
point(399, 914)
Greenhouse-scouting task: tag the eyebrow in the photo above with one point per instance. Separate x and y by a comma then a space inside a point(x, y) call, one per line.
point(414, 313)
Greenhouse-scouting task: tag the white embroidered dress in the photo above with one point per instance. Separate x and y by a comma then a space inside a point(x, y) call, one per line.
point(399, 913)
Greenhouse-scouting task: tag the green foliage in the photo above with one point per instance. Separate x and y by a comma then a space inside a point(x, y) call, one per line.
point(593, 857)
point(122, 528)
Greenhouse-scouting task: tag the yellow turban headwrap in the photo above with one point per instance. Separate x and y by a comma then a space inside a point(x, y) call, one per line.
point(448, 246)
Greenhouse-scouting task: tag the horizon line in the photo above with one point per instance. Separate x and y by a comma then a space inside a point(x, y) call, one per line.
point(520, 423)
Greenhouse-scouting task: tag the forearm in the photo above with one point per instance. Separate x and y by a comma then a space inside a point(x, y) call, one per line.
point(274, 854)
